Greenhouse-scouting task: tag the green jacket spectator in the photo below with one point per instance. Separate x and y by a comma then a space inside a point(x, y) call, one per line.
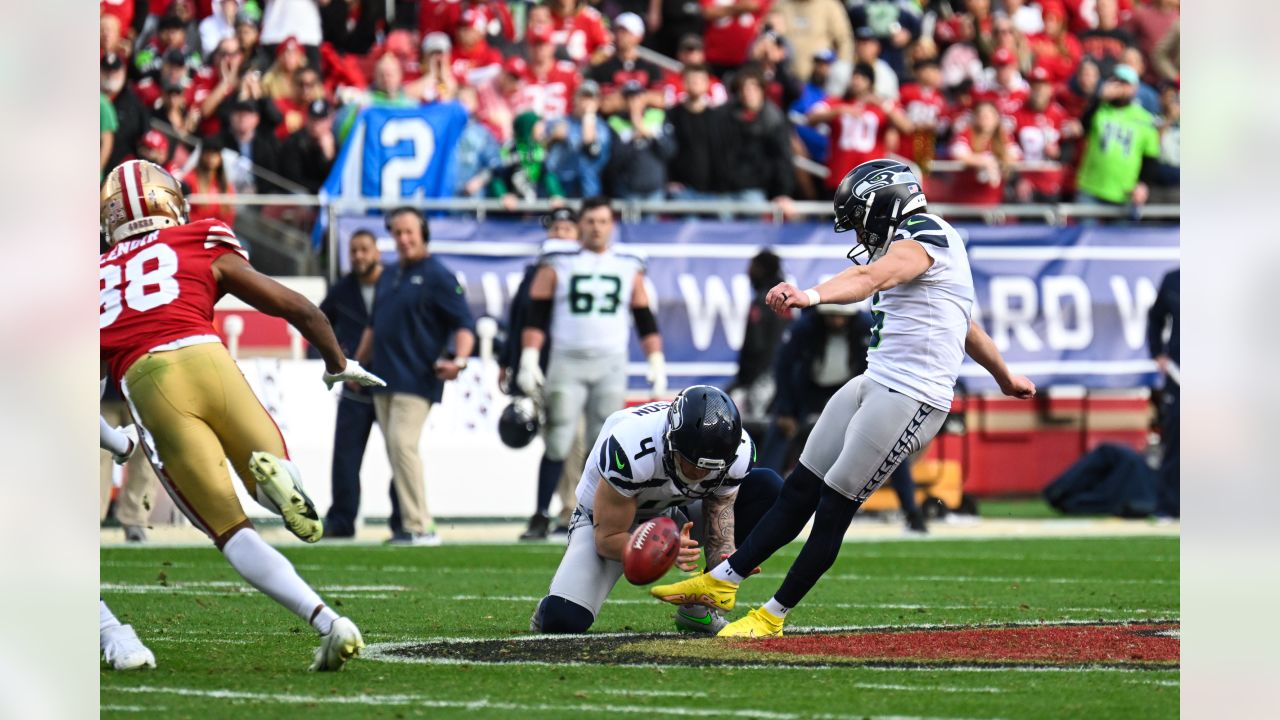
point(1122, 144)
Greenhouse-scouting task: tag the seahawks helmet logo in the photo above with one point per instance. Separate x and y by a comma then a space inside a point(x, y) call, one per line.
point(677, 412)
point(880, 179)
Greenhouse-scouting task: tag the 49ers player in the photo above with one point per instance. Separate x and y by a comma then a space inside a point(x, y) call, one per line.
point(158, 283)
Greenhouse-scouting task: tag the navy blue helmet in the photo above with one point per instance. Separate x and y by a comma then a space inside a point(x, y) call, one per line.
point(705, 429)
point(872, 199)
point(519, 423)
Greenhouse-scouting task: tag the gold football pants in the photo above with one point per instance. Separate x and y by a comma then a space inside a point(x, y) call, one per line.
point(196, 411)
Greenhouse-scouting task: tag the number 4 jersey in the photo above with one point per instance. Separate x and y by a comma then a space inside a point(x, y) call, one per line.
point(157, 291)
point(592, 304)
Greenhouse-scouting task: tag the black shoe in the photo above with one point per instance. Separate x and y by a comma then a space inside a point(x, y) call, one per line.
point(915, 523)
point(538, 526)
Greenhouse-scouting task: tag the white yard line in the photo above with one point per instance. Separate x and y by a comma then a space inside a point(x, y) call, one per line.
point(651, 693)
point(232, 587)
point(482, 704)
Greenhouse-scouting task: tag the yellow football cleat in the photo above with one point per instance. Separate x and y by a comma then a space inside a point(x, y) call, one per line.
point(699, 590)
point(758, 623)
point(279, 481)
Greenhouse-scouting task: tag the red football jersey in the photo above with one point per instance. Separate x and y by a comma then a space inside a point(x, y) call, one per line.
point(158, 289)
point(1038, 132)
point(464, 60)
point(672, 88)
point(973, 187)
point(927, 110)
point(550, 94)
point(728, 39)
point(581, 33)
point(857, 135)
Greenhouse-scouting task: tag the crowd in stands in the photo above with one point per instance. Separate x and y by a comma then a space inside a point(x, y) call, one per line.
point(995, 100)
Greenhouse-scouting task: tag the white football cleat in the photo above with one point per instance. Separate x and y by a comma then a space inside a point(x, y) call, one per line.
point(280, 481)
point(342, 643)
point(122, 648)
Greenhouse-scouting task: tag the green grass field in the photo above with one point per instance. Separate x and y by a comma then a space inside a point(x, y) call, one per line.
point(224, 650)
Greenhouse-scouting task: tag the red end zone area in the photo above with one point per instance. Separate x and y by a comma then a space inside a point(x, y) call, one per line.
point(1052, 644)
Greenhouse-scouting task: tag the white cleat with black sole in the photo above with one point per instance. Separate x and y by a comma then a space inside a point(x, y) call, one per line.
point(342, 643)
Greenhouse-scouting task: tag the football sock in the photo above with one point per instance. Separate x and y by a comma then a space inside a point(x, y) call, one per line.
point(549, 472)
point(106, 619)
point(270, 572)
point(782, 523)
point(835, 512)
point(775, 608)
point(724, 571)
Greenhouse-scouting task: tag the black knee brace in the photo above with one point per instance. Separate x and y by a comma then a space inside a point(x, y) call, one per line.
point(559, 615)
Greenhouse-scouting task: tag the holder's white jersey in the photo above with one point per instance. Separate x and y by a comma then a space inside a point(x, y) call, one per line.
point(917, 341)
point(629, 456)
point(592, 304)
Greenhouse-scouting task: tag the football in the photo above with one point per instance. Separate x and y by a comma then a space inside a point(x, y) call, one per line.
point(651, 551)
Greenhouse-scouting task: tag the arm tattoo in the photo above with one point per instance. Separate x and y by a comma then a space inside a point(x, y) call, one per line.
point(717, 513)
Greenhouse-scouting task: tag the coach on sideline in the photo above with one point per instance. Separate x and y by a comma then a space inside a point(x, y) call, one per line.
point(417, 306)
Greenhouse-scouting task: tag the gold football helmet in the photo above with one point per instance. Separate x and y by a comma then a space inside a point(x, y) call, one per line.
point(138, 197)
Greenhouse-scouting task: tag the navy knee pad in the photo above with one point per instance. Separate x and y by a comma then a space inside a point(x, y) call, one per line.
point(559, 615)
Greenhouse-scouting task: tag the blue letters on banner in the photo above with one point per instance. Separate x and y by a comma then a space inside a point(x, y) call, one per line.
point(1064, 305)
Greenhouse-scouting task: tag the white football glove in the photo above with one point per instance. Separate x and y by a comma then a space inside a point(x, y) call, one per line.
point(656, 375)
point(353, 371)
point(529, 379)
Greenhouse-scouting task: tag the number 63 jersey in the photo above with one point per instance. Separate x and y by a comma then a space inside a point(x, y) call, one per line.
point(592, 304)
point(157, 291)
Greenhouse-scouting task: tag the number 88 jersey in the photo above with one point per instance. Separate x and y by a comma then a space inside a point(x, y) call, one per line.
point(592, 304)
point(158, 291)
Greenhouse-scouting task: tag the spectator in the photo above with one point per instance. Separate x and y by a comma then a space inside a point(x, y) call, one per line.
point(581, 145)
point(1004, 86)
point(352, 28)
point(987, 153)
point(730, 28)
point(279, 81)
point(474, 61)
point(813, 26)
point(249, 146)
point(1161, 318)
point(1028, 18)
point(867, 52)
point(131, 116)
point(437, 81)
point(1121, 145)
point(759, 145)
point(551, 83)
point(297, 19)
point(387, 90)
point(769, 59)
point(753, 386)
point(348, 306)
point(676, 20)
point(498, 103)
point(107, 126)
point(1042, 125)
point(476, 156)
point(209, 177)
point(925, 106)
point(1151, 22)
point(155, 147)
point(173, 71)
point(624, 66)
point(642, 145)
point(1055, 49)
point(173, 108)
point(1169, 121)
point(1009, 38)
point(417, 308)
point(579, 29)
point(170, 42)
point(308, 154)
point(1165, 57)
point(291, 109)
point(1147, 96)
point(699, 132)
point(256, 57)
point(815, 140)
point(1082, 89)
point(220, 24)
point(523, 173)
point(895, 22)
point(111, 38)
point(690, 52)
point(859, 125)
point(214, 84)
point(1106, 41)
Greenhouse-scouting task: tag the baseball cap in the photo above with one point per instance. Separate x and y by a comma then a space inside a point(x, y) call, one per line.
point(1003, 56)
point(691, 42)
point(589, 87)
point(560, 214)
point(538, 34)
point(436, 42)
point(289, 43)
point(319, 109)
point(865, 33)
point(632, 87)
point(630, 22)
point(825, 55)
point(1039, 74)
point(174, 56)
point(243, 106)
point(155, 140)
point(1125, 74)
point(473, 18)
point(516, 66)
point(111, 62)
point(244, 18)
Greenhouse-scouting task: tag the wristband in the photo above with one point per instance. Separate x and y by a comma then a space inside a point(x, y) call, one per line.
point(814, 298)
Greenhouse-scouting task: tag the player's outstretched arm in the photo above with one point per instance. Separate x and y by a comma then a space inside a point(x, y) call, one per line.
point(612, 516)
point(982, 349)
point(235, 275)
point(905, 261)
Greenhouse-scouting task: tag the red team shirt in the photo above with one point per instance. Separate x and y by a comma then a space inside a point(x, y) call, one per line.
point(968, 187)
point(856, 136)
point(1036, 132)
point(727, 40)
point(672, 88)
point(927, 109)
point(550, 94)
point(581, 34)
point(158, 288)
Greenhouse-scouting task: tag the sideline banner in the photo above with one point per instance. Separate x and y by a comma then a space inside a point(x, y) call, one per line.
point(1064, 305)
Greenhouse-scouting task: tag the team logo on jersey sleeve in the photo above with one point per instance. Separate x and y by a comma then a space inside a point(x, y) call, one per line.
point(613, 460)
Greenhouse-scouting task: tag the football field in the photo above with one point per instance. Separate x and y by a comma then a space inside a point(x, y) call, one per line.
point(1020, 627)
